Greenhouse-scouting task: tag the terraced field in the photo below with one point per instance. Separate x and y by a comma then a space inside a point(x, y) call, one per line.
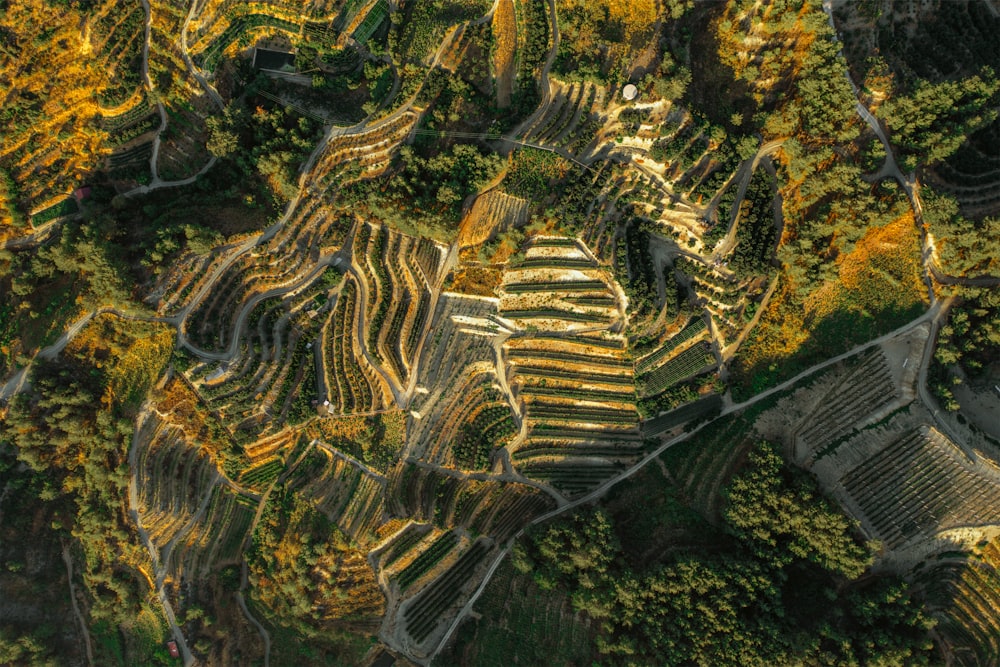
point(965, 594)
point(864, 391)
point(400, 275)
point(572, 120)
point(920, 485)
point(273, 377)
point(197, 522)
point(351, 496)
point(568, 368)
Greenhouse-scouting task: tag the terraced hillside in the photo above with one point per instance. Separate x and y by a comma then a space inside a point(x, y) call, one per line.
point(964, 593)
point(899, 491)
point(336, 332)
point(567, 367)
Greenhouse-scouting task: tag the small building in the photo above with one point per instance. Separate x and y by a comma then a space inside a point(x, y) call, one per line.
point(82, 193)
point(630, 92)
point(172, 647)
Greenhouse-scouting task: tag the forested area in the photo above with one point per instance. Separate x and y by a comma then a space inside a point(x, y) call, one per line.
point(73, 428)
point(424, 195)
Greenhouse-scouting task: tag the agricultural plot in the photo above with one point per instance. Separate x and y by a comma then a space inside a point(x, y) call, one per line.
point(866, 390)
point(569, 371)
point(492, 212)
point(919, 485)
point(694, 331)
point(702, 467)
point(572, 120)
point(173, 478)
point(400, 274)
point(352, 385)
point(288, 264)
point(436, 604)
point(348, 495)
point(521, 619)
point(457, 380)
point(428, 557)
point(275, 378)
point(209, 48)
point(694, 360)
point(197, 522)
point(534, 289)
point(504, 26)
point(359, 155)
point(964, 596)
point(496, 509)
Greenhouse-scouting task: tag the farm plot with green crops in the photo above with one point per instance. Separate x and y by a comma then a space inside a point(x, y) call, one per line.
point(430, 557)
point(650, 361)
point(491, 428)
point(376, 15)
point(261, 475)
point(555, 314)
point(690, 362)
point(556, 286)
point(573, 357)
point(702, 465)
point(586, 377)
point(424, 614)
point(571, 478)
point(556, 263)
point(582, 394)
point(59, 210)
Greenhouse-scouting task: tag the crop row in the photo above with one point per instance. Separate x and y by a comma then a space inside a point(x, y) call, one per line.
point(580, 377)
point(869, 388)
point(261, 475)
point(593, 341)
point(592, 395)
point(492, 427)
point(427, 559)
point(555, 263)
point(689, 362)
point(554, 242)
point(572, 479)
point(557, 286)
point(555, 314)
point(921, 484)
point(572, 357)
point(424, 614)
point(347, 383)
point(687, 333)
point(606, 301)
point(577, 414)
